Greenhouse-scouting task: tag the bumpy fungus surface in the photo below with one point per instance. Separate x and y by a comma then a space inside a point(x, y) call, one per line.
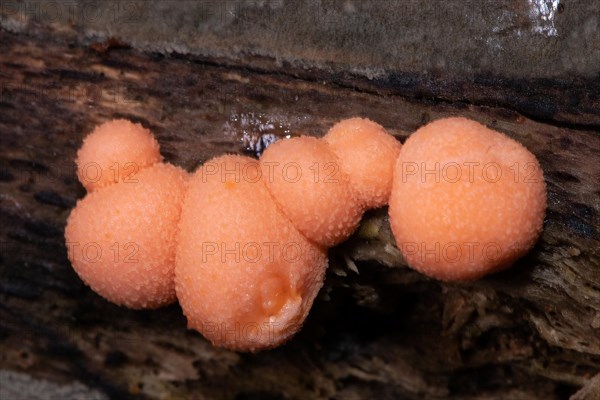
point(242, 243)
point(305, 178)
point(466, 200)
point(115, 152)
point(121, 238)
point(245, 277)
point(367, 154)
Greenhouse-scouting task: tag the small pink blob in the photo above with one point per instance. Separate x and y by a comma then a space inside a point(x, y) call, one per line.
point(367, 154)
point(307, 181)
point(115, 152)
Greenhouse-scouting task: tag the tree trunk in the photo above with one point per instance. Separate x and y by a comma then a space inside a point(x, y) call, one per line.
point(377, 329)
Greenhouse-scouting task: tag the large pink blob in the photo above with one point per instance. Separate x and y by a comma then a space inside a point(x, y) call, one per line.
point(121, 238)
point(466, 200)
point(245, 277)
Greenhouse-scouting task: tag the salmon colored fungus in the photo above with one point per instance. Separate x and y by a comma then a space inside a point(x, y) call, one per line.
point(466, 200)
point(246, 277)
point(367, 153)
point(305, 178)
point(121, 235)
point(114, 152)
point(242, 243)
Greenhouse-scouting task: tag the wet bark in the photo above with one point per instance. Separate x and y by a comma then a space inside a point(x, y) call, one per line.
point(377, 329)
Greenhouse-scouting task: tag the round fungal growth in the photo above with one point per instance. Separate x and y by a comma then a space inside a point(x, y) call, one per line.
point(466, 200)
point(121, 238)
point(245, 277)
point(367, 154)
point(115, 152)
point(305, 178)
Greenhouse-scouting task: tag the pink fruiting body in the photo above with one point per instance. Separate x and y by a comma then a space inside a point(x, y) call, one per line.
point(466, 200)
point(305, 178)
point(115, 152)
point(242, 243)
point(121, 238)
point(367, 154)
point(245, 277)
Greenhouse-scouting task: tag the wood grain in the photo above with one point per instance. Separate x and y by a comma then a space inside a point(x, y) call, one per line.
point(383, 332)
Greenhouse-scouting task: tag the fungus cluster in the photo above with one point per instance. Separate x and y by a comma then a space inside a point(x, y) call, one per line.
point(242, 243)
point(121, 235)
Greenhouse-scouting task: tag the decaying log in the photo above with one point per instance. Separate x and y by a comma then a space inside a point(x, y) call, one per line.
point(377, 329)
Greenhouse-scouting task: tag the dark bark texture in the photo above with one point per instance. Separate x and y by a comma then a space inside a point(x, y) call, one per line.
point(377, 329)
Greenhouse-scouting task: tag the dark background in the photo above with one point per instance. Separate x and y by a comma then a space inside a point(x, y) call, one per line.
point(212, 77)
